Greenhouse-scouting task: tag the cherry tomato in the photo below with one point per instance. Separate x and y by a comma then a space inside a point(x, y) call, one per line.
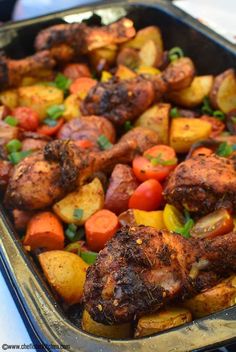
point(214, 224)
point(74, 71)
point(217, 126)
point(50, 130)
point(28, 118)
point(156, 163)
point(147, 196)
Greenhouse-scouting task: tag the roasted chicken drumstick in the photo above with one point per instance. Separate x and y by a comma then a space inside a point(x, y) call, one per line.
point(141, 269)
point(45, 177)
point(203, 183)
point(120, 101)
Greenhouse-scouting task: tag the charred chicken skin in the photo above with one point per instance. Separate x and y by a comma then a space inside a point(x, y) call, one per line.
point(141, 269)
point(82, 38)
point(202, 184)
point(12, 71)
point(45, 177)
point(120, 101)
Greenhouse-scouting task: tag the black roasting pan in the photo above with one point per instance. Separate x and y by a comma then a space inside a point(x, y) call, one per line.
point(45, 320)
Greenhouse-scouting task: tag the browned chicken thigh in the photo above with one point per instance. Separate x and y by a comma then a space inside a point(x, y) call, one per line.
point(82, 38)
point(141, 269)
point(12, 71)
point(203, 183)
point(43, 178)
point(122, 100)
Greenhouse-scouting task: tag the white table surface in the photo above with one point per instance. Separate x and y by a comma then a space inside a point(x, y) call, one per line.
point(220, 15)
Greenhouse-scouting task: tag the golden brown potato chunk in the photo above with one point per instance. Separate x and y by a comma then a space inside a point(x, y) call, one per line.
point(223, 92)
point(162, 320)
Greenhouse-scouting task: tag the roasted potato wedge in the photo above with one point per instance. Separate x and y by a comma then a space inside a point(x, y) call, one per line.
point(128, 57)
point(216, 298)
point(9, 98)
point(72, 107)
point(133, 217)
point(65, 273)
point(143, 36)
point(163, 320)
point(121, 186)
point(157, 119)
point(89, 198)
point(150, 54)
point(40, 98)
point(186, 131)
point(194, 94)
point(120, 331)
point(223, 92)
point(124, 73)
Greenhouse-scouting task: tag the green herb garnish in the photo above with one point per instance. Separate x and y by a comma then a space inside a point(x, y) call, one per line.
point(206, 107)
point(233, 118)
point(174, 112)
point(128, 126)
point(11, 120)
point(55, 111)
point(185, 230)
point(175, 53)
point(16, 157)
point(14, 146)
point(62, 82)
point(71, 232)
point(219, 115)
point(88, 257)
point(224, 149)
point(50, 122)
point(103, 142)
point(159, 161)
point(78, 213)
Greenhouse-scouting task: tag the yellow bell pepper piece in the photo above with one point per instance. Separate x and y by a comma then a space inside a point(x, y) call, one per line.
point(105, 76)
point(146, 70)
point(173, 218)
point(150, 218)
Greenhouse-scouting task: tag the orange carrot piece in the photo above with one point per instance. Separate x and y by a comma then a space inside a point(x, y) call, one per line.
point(44, 230)
point(100, 228)
point(81, 86)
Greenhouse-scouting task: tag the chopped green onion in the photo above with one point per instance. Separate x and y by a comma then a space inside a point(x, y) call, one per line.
point(16, 157)
point(219, 115)
point(103, 142)
point(50, 122)
point(88, 257)
point(175, 53)
point(71, 232)
point(128, 126)
point(224, 149)
point(55, 111)
point(174, 113)
point(185, 230)
point(11, 120)
point(206, 107)
point(78, 213)
point(62, 82)
point(72, 227)
point(159, 161)
point(14, 146)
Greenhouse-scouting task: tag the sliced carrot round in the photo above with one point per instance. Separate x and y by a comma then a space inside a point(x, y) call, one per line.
point(100, 228)
point(44, 230)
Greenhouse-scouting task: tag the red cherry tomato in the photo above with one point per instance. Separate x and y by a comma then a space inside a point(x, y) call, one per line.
point(147, 196)
point(156, 163)
point(50, 130)
point(28, 118)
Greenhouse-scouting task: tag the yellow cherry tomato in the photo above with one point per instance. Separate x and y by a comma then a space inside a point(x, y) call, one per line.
point(173, 218)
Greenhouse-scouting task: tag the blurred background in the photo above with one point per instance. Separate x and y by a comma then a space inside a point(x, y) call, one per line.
point(217, 14)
